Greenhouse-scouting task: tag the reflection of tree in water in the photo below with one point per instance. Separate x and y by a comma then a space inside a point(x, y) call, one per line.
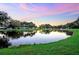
point(18, 34)
point(14, 34)
point(29, 34)
point(45, 31)
point(66, 31)
point(4, 42)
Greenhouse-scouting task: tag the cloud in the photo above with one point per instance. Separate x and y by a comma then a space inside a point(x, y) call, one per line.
point(23, 6)
point(41, 11)
point(40, 8)
point(34, 11)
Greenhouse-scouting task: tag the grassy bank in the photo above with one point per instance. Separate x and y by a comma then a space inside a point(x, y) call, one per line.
point(17, 30)
point(67, 46)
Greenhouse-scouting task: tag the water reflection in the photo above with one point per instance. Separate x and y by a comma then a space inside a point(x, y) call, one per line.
point(25, 34)
point(66, 31)
point(18, 34)
point(16, 38)
point(4, 42)
point(14, 34)
point(45, 31)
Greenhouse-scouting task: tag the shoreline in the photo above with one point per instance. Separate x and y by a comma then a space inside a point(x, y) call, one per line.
point(68, 46)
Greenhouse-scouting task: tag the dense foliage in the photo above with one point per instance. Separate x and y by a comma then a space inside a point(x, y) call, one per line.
point(74, 24)
point(7, 22)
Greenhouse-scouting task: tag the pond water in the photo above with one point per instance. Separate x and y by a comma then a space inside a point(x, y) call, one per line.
point(34, 37)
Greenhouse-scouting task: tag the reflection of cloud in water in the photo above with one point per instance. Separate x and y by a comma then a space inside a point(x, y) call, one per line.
point(40, 38)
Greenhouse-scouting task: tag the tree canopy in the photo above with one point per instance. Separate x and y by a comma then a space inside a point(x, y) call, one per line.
point(3, 16)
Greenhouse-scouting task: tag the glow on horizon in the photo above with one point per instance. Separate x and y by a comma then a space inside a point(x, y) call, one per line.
point(42, 13)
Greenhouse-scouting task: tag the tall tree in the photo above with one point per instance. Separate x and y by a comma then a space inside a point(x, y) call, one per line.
point(14, 24)
point(45, 26)
point(3, 16)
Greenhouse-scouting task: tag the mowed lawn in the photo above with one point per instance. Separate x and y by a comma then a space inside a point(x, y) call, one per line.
point(69, 46)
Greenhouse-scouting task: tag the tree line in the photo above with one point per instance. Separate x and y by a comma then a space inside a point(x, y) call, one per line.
point(7, 22)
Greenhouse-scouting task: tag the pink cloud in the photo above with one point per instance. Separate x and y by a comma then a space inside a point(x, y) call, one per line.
point(62, 8)
point(40, 8)
point(45, 11)
point(23, 6)
point(66, 8)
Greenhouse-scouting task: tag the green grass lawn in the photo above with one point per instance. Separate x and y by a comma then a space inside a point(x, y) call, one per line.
point(69, 46)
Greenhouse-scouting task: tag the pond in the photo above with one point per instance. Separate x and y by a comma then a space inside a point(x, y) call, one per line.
point(33, 37)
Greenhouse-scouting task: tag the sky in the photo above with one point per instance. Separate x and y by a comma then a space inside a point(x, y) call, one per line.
point(42, 13)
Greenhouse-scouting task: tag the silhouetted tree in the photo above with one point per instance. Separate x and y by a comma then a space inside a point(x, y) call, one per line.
point(45, 26)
